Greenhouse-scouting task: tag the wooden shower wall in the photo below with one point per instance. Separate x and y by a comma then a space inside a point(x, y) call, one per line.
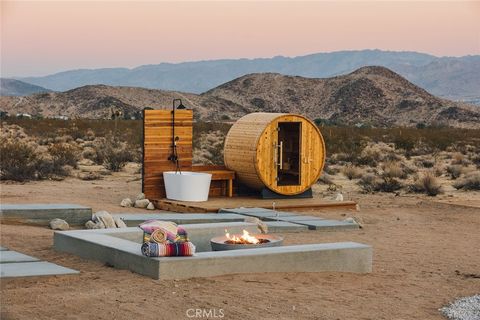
point(157, 146)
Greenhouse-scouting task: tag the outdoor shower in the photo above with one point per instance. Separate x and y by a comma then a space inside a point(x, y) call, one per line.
point(174, 155)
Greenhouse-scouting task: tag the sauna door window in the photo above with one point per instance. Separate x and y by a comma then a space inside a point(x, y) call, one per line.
point(288, 153)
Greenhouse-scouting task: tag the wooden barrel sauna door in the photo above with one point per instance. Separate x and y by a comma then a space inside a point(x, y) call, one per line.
point(283, 152)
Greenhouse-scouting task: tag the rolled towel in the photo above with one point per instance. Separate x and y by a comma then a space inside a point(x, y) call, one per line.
point(162, 236)
point(150, 249)
point(182, 235)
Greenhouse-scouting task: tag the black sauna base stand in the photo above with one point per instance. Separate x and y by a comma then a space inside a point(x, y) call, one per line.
point(269, 194)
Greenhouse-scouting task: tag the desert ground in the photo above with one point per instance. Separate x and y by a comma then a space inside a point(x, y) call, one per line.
point(426, 254)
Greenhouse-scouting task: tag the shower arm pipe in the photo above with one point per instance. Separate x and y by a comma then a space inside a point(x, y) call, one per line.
point(173, 156)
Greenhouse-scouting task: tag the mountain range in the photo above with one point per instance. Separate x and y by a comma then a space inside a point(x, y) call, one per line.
point(373, 96)
point(12, 87)
point(455, 78)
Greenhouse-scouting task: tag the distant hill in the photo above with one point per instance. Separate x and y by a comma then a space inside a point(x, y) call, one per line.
point(368, 96)
point(452, 78)
point(12, 87)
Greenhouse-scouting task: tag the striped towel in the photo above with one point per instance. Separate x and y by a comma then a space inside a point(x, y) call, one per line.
point(182, 235)
point(152, 225)
point(150, 249)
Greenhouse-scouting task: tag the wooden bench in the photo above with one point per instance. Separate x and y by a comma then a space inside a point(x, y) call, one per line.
point(219, 173)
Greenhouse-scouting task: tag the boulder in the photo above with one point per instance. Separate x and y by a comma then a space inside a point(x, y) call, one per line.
point(119, 222)
point(127, 202)
point(94, 225)
point(106, 218)
point(59, 224)
point(143, 203)
point(150, 206)
point(140, 196)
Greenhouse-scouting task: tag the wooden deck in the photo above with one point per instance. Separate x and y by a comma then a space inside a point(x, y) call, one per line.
point(216, 203)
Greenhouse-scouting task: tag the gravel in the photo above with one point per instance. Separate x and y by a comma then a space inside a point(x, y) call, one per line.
point(467, 308)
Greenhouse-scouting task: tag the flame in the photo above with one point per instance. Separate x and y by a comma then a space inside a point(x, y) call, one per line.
point(245, 238)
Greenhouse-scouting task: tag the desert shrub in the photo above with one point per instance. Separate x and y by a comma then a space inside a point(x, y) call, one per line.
point(428, 184)
point(437, 171)
point(114, 154)
point(455, 171)
point(18, 161)
point(476, 160)
point(388, 184)
point(470, 182)
point(90, 154)
point(352, 172)
point(426, 163)
point(330, 170)
point(209, 147)
point(64, 154)
point(326, 179)
point(372, 183)
point(459, 159)
point(393, 170)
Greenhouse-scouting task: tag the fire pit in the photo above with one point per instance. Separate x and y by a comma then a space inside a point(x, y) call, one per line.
point(245, 241)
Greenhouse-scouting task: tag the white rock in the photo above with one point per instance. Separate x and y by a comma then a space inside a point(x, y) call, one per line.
point(119, 222)
point(59, 224)
point(339, 197)
point(94, 225)
point(143, 203)
point(140, 196)
point(106, 218)
point(150, 206)
point(127, 202)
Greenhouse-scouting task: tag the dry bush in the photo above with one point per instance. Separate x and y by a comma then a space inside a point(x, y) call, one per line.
point(470, 182)
point(325, 178)
point(371, 183)
point(437, 170)
point(393, 170)
point(64, 154)
point(18, 161)
point(459, 159)
point(428, 184)
point(455, 171)
point(425, 162)
point(330, 170)
point(352, 172)
point(209, 148)
point(114, 154)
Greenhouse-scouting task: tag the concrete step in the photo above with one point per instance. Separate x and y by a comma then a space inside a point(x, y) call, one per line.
point(133, 220)
point(32, 269)
point(13, 256)
point(42, 214)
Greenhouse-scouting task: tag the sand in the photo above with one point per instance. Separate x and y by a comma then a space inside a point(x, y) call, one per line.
point(424, 254)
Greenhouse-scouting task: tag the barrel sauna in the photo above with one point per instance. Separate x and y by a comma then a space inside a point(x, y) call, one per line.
point(282, 152)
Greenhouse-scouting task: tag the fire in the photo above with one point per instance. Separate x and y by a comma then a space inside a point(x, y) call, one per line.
point(245, 238)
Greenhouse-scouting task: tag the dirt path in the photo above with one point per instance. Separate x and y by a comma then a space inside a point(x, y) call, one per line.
point(422, 252)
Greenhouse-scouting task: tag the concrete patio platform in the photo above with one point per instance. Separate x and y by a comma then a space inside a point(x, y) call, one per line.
point(327, 225)
point(32, 269)
point(41, 214)
point(121, 248)
point(284, 226)
point(133, 220)
point(13, 256)
point(260, 213)
point(15, 264)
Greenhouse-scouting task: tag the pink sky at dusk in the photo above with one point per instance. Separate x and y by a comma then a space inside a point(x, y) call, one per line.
point(39, 37)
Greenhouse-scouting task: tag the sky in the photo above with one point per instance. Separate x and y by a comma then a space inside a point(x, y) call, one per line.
point(44, 37)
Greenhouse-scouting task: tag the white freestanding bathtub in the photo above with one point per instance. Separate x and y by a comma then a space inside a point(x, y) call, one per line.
point(187, 185)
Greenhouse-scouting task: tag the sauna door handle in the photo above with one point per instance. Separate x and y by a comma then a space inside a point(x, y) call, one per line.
point(278, 154)
point(280, 151)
